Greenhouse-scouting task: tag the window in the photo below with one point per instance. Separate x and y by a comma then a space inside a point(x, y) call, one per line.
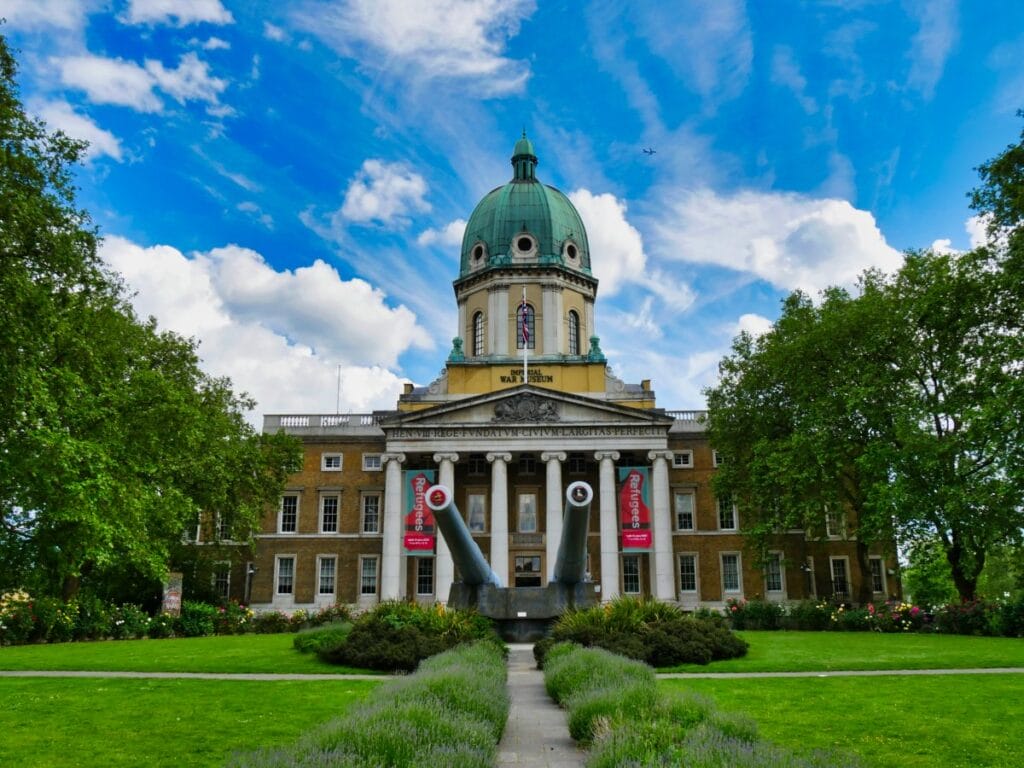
point(285, 575)
point(370, 503)
point(371, 462)
point(577, 464)
point(478, 334)
point(631, 574)
point(877, 575)
point(368, 575)
point(525, 335)
point(424, 576)
point(527, 464)
point(726, 514)
point(477, 464)
point(682, 459)
point(288, 515)
point(328, 570)
point(527, 518)
point(192, 532)
point(329, 514)
point(835, 525)
point(574, 333)
point(688, 573)
point(684, 511)
point(330, 462)
point(731, 572)
point(528, 571)
point(717, 459)
point(476, 512)
point(773, 573)
point(223, 528)
point(840, 577)
point(222, 580)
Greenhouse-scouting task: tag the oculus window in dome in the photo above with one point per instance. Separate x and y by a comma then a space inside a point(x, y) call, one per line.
point(525, 217)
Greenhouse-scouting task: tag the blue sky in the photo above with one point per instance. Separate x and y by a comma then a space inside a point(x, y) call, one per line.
point(287, 181)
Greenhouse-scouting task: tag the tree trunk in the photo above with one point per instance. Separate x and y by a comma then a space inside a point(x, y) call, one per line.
point(965, 578)
point(69, 590)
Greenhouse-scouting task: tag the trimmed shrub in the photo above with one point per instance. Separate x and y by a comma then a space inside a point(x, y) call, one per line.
point(17, 618)
point(755, 614)
point(270, 622)
point(660, 634)
point(128, 622)
point(1011, 617)
point(161, 625)
point(196, 619)
point(232, 619)
point(449, 713)
point(332, 614)
point(846, 619)
point(92, 621)
point(327, 637)
point(808, 615)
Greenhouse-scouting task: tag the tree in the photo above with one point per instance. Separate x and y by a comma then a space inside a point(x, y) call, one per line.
point(901, 406)
point(112, 440)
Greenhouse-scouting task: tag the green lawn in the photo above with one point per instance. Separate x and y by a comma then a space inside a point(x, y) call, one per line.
point(827, 651)
point(890, 722)
point(89, 723)
point(230, 653)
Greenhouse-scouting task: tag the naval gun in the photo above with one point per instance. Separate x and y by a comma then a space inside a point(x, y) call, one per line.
point(522, 614)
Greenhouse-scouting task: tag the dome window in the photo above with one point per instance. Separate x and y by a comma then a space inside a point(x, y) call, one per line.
point(571, 253)
point(524, 244)
point(478, 251)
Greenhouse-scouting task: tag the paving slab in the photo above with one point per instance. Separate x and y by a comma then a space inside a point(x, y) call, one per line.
point(536, 735)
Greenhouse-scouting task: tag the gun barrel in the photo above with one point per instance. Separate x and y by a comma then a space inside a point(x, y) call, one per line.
point(465, 552)
point(571, 565)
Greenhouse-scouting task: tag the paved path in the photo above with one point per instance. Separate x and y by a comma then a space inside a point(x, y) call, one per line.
point(536, 734)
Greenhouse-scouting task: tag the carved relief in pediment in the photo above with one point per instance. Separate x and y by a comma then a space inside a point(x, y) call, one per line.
point(526, 408)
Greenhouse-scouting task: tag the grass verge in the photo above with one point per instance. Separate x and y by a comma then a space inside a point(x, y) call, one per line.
point(829, 651)
point(227, 653)
point(89, 723)
point(915, 721)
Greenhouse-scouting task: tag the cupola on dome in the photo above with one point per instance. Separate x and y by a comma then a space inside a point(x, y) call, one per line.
point(525, 223)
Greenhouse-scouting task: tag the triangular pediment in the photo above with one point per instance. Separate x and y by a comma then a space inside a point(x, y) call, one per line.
point(527, 404)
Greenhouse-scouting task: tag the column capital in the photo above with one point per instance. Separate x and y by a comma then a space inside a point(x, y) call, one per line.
point(553, 456)
point(493, 457)
point(396, 457)
point(452, 457)
point(655, 455)
point(602, 455)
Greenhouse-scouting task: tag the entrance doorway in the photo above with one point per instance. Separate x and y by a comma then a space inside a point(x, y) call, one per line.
point(528, 571)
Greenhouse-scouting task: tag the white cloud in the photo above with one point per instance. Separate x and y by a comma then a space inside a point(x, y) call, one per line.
point(279, 335)
point(110, 81)
point(191, 81)
point(39, 14)
point(257, 213)
point(212, 44)
point(450, 234)
point(786, 72)
point(932, 44)
point(384, 193)
point(977, 230)
point(462, 40)
point(59, 115)
point(274, 32)
point(755, 325)
point(182, 12)
point(616, 247)
point(788, 240)
point(126, 84)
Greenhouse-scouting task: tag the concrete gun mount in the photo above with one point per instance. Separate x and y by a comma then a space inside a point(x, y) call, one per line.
point(522, 614)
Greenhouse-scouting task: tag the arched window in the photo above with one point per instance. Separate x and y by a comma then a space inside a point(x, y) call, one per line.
point(574, 333)
point(525, 336)
point(478, 334)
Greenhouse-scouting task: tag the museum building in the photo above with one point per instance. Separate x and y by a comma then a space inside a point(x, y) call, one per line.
point(525, 405)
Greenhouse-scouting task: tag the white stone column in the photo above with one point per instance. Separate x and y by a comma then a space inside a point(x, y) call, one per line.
point(444, 567)
point(497, 321)
point(552, 319)
point(662, 567)
point(499, 514)
point(609, 525)
point(553, 507)
point(391, 586)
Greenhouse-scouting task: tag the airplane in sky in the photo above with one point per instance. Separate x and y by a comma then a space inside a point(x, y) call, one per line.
point(649, 151)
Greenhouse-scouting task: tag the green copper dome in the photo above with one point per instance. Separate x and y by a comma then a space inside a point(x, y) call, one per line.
point(524, 223)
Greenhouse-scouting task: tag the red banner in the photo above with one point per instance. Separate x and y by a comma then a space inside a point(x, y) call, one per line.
point(634, 512)
point(419, 520)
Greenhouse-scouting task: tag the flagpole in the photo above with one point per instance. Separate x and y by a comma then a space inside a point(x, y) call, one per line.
point(526, 341)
